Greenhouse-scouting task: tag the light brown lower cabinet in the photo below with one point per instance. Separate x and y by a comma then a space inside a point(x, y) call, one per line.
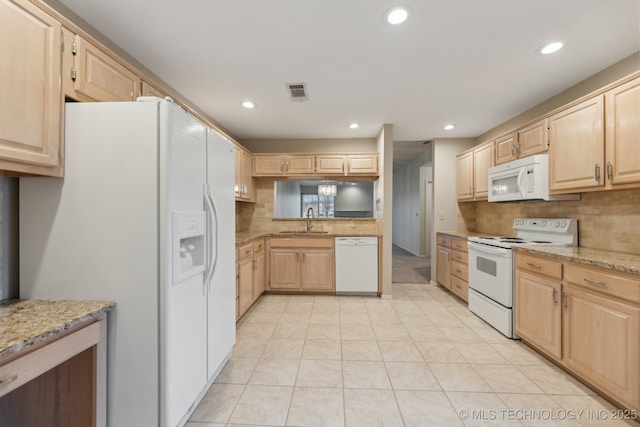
point(62, 382)
point(586, 318)
point(250, 275)
point(301, 265)
point(452, 270)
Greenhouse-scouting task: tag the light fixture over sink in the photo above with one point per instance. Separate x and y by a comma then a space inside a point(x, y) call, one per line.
point(327, 190)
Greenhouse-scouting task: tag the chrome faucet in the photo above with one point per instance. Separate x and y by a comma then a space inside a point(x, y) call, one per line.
point(309, 226)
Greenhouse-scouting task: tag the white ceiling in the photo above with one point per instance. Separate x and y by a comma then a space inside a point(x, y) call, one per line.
point(470, 62)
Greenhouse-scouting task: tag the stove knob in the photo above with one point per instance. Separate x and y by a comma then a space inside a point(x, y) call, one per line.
point(556, 224)
point(544, 223)
point(564, 224)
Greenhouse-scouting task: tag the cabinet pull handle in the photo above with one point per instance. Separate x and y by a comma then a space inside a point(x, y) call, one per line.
point(458, 270)
point(532, 265)
point(564, 300)
point(597, 172)
point(609, 171)
point(281, 166)
point(594, 282)
point(7, 380)
point(286, 166)
point(555, 299)
point(458, 286)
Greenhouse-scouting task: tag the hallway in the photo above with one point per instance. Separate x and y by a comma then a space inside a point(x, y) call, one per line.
point(409, 268)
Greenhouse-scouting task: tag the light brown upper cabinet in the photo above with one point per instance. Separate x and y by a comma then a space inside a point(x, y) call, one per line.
point(149, 90)
point(464, 176)
point(506, 148)
point(315, 165)
point(532, 139)
point(331, 164)
point(576, 157)
point(98, 77)
point(482, 161)
point(283, 164)
point(299, 164)
point(472, 172)
point(244, 189)
point(31, 105)
point(622, 106)
point(362, 164)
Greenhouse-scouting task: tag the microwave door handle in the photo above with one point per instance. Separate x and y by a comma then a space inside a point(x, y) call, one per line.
point(519, 182)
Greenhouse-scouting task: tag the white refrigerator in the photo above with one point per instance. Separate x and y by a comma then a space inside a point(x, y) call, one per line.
point(145, 217)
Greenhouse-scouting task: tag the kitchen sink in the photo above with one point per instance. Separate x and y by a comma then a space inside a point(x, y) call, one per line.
point(303, 232)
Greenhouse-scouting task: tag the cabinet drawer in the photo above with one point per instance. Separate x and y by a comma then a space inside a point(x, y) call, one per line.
point(540, 265)
point(625, 286)
point(460, 288)
point(299, 243)
point(460, 270)
point(460, 257)
point(459, 244)
point(258, 245)
point(444, 240)
point(244, 250)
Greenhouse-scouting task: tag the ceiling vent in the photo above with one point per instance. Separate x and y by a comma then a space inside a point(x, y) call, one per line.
point(297, 92)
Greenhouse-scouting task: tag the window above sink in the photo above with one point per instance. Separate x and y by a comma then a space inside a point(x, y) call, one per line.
point(329, 199)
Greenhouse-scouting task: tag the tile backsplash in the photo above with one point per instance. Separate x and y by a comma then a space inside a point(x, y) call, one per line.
point(607, 220)
point(259, 217)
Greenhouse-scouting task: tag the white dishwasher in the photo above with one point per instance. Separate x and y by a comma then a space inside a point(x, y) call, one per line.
point(356, 265)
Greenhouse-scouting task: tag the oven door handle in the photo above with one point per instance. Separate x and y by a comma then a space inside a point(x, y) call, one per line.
point(491, 250)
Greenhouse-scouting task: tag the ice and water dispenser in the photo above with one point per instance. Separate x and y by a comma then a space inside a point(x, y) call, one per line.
point(189, 244)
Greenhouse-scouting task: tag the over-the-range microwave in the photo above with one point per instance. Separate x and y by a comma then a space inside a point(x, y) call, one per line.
point(523, 179)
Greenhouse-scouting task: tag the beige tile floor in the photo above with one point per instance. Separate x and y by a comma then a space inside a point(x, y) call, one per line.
point(418, 359)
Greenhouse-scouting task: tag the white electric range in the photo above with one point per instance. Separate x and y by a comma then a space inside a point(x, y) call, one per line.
point(491, 268)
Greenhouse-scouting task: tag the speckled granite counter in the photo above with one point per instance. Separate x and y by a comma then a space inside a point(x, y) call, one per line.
point(243, 237)
point(619, 261)
point(24, 323)
point(463, 234)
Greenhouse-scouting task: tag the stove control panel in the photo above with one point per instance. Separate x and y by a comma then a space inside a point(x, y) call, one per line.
point(552, 225)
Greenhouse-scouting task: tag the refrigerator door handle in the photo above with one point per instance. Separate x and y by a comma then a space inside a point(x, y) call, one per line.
point(213, 255)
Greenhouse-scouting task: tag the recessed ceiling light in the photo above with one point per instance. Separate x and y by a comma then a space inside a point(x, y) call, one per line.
point(249, 104)
point(449, 126)
point(550, 48)
point(354, 126)
point(396, 15)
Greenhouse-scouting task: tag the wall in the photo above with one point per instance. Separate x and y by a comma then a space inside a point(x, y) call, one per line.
point(610, 74)
point(607, 220)
point(408, 205)
point(9, 238)
point(351, 145)
point(354, 198)
point(445, 206)
point(289, 200)
point(384, 189)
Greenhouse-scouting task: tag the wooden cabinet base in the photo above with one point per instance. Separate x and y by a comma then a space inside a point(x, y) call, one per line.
point(59, 384)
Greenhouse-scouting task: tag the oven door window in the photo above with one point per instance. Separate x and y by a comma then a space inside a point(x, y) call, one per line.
point(490, 272)
point(487, 266)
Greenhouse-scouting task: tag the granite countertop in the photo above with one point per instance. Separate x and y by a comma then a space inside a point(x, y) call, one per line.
point(463, 234)
point(24, 323)
point(243, 237)
point(619, 261)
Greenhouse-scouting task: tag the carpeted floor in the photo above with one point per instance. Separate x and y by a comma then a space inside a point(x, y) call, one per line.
point(408, 268)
